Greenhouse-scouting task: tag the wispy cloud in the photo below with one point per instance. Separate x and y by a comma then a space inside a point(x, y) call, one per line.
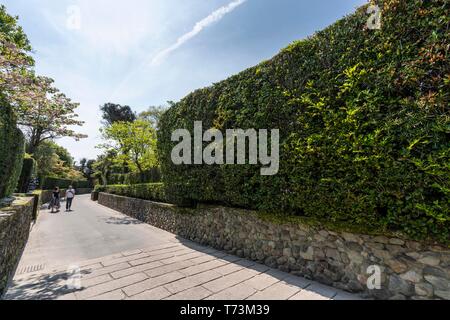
point(199, 26)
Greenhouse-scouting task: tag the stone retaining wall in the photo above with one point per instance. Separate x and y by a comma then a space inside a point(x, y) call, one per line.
point(14, 230)
point(409, 270)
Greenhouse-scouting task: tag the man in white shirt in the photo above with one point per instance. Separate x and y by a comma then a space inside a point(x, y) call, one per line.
point(70, 194)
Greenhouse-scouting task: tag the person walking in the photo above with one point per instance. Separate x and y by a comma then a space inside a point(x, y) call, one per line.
point(70, 194)
point(55, 202)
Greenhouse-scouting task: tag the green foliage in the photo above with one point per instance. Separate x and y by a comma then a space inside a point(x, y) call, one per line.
point(86, 168)
point(50, 183)
point(134, 143)
point(11, 29)
point(12, 149)
point(113, 113)
point(28, 171)
point(100, 188)
point(147, 191)
point(63, 154)
point(364, 123)
point(55, 161)
point(153, 115)
point(150, 176)
point(103, 166)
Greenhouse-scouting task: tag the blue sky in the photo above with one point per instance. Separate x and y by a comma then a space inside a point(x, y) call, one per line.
point(147, 52)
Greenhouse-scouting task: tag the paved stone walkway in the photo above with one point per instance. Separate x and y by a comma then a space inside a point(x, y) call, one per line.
point(172, 268)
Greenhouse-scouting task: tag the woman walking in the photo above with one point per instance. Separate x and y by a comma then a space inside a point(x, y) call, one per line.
point(55, 202)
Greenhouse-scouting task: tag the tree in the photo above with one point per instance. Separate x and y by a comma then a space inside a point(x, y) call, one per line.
point(15, 61)
point(55, 161)
point(63, 154)
point(86, 167)
point(11, 29)
point(113, 113)
point(135, 143)
point(49, 115)
point(153, 115)
point(42, 110)
point(103, 165)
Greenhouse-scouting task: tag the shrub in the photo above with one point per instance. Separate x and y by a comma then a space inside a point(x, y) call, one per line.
point(12, 149)
point(116, 178)
point(150, 176)
point(364, 124)
point(50, 183)
point(28, 170)
point(100, 188)
point(148, 191)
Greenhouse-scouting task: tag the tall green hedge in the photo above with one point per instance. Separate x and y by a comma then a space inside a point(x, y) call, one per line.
point(12, 149)
point(150, 176)
point(28, 170)
point(364, 124)
point(50, 183)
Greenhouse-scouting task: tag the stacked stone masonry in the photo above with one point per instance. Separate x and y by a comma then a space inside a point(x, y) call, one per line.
point(409, 269)
point(15, 223)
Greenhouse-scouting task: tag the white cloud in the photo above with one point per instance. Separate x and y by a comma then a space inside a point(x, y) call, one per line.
point(199, 26)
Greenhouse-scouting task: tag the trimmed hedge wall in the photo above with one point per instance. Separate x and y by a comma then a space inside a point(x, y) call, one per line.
point(148, 191)
point(12, 150)
point(28, 170)
point(50, 183)
point(364, 124)
point(150, 176)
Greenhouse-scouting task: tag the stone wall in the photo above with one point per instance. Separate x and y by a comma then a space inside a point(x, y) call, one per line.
point(14, 230)
point(409, 270)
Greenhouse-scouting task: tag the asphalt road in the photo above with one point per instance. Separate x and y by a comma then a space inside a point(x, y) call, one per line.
point(90, 231)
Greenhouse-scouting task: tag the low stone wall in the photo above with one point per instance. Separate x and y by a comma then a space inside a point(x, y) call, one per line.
point(14, 230)
point(409, 270)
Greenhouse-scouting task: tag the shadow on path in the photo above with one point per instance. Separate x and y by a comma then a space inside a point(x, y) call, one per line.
point(122, 221)
point(41, 287)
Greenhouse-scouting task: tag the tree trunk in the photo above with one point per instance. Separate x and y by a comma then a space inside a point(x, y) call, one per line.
point(141, 172)
point(35, 140)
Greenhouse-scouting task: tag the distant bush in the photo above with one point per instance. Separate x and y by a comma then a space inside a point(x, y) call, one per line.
point(12, 150)
point(148, 191)
point(50, 183)
point(364, 124)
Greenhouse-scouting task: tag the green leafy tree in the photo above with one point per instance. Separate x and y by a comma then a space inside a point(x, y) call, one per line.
point(63, 154)
point(135, 143)
point(55, 161)
point(10, 28)
point(104, 165)
point(86, 167)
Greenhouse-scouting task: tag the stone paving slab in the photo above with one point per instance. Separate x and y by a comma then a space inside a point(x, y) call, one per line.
point(174, 271)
